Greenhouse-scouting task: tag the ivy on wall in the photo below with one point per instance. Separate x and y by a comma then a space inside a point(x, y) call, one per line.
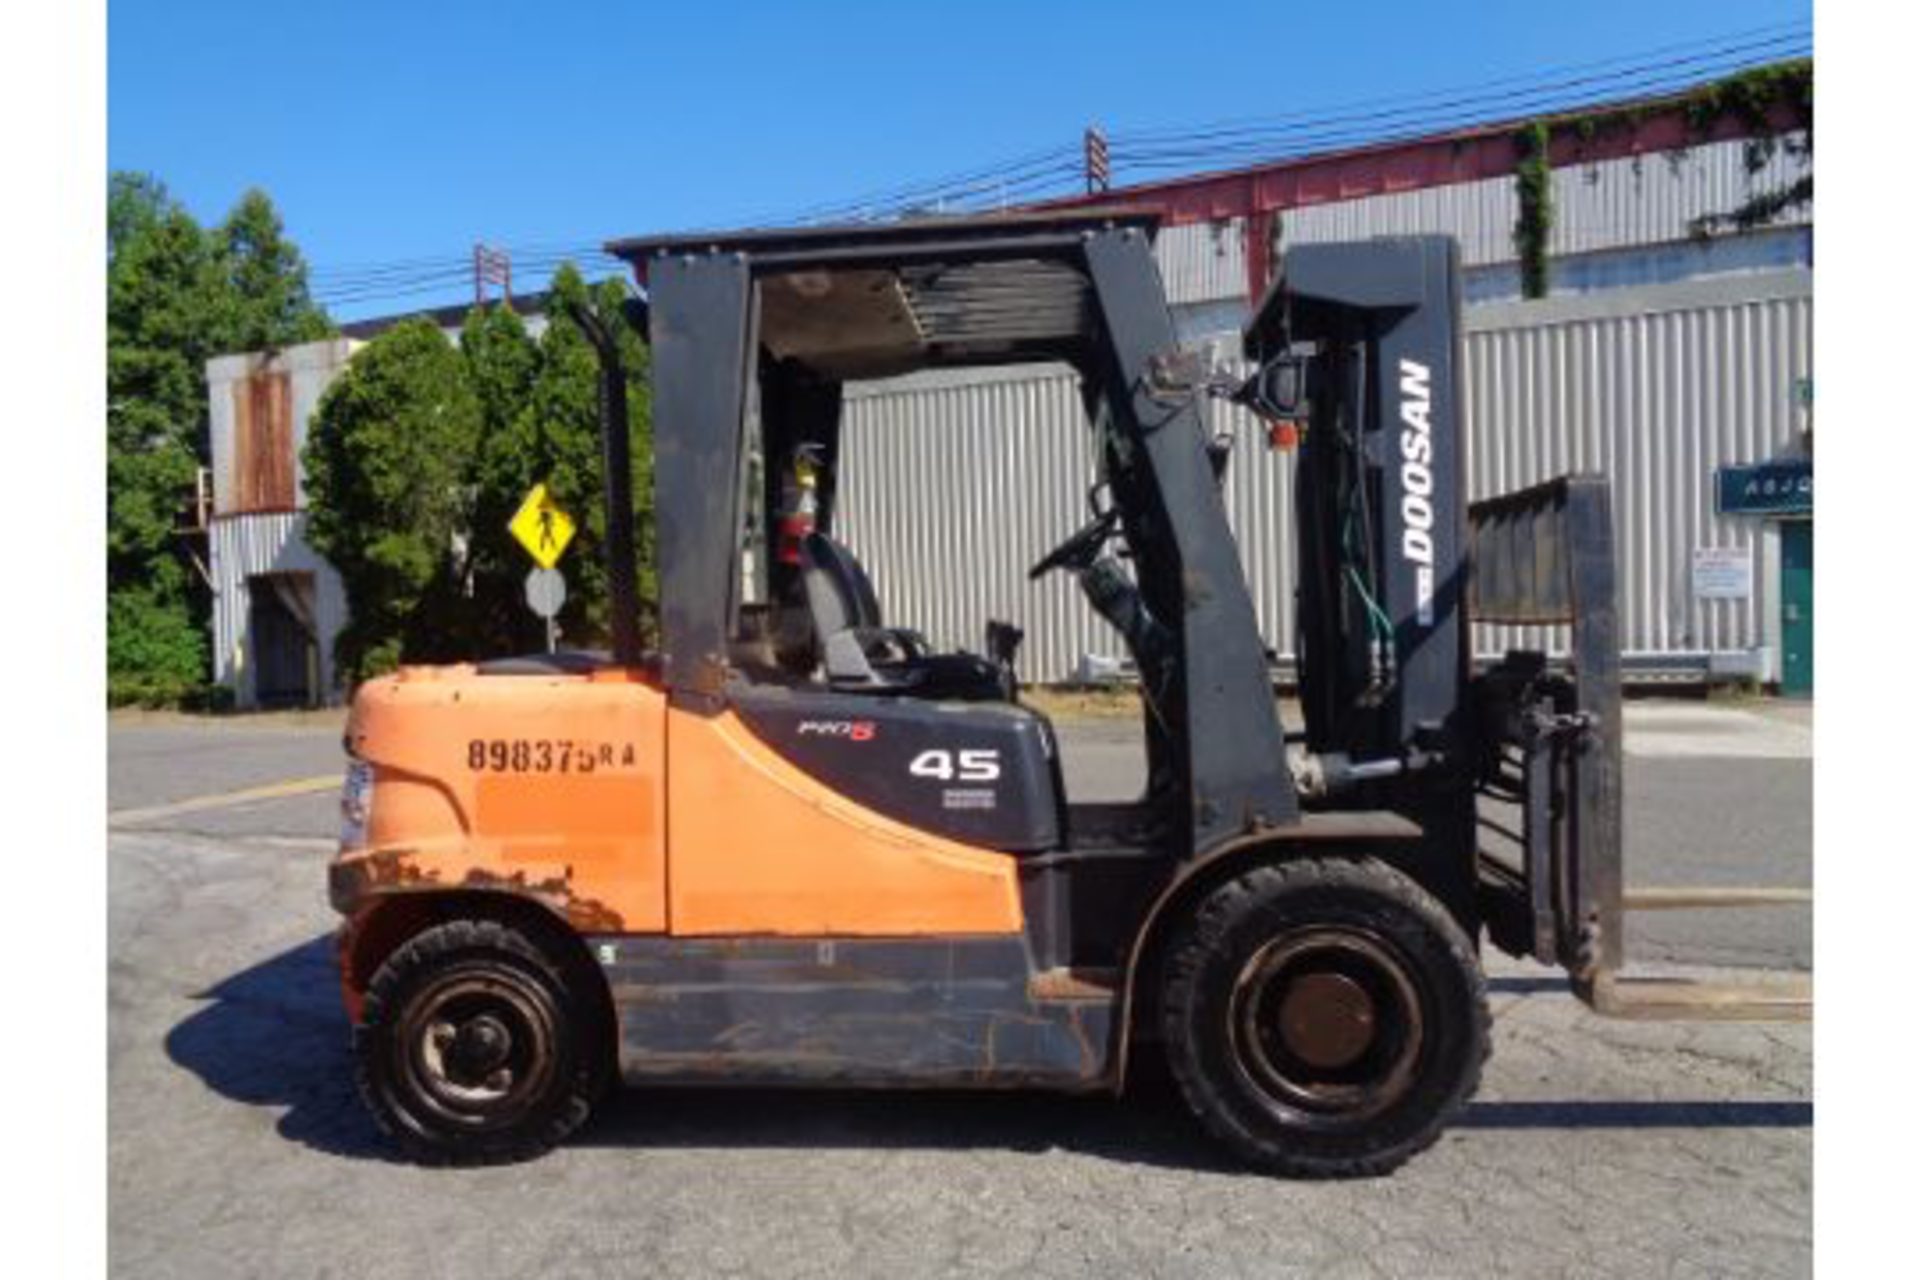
point(1533, 184)
point(1755, 98)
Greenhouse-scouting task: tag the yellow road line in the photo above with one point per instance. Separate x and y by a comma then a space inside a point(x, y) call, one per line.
point(271, 791)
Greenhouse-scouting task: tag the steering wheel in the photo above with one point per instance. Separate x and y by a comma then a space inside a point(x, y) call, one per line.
point(1082, 546)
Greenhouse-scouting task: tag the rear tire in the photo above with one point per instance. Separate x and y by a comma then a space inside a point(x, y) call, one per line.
point(473, 1047)
point(1324, 1017)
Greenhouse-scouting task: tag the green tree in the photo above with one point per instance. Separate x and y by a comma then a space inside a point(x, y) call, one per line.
point(135, 203)
point(266, 280)
point(503, 364)
point(163, 300)
point(449, 583)
point(557, 441)
point(177, 295)
point(388, 460)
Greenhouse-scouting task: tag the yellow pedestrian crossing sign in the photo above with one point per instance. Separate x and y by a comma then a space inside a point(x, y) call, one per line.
point(542, 527)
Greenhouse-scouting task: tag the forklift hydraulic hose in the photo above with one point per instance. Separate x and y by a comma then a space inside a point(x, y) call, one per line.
point(1115, 598)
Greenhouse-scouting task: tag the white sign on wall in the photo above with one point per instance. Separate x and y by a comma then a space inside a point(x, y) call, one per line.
point(1722, 573)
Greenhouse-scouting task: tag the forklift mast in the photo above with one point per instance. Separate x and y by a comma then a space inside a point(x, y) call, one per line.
point(1362, 340)
point(1382, 641)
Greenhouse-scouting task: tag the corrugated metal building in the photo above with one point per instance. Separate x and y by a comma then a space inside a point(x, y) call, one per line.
point(1660, 356)
point(277, 606)
point(1622, 221)
point(952, 484)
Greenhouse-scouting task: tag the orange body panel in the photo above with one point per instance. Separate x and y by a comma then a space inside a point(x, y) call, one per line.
point(757, 846)
point(552, 786)
point(589, 794)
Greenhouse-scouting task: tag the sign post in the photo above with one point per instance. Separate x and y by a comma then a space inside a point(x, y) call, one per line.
point(546, 592)
point(544, 530)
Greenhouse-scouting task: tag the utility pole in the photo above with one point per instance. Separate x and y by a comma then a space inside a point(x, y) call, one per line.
point(491, 266)
point(1094, 156)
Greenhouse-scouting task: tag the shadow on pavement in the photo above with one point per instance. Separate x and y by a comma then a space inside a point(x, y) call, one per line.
point(1529, 986)
point(1638, 1115)
point(276, 1035)
point(1150, 1126)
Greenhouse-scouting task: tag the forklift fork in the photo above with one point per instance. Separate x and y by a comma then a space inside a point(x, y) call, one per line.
point(1551, 733)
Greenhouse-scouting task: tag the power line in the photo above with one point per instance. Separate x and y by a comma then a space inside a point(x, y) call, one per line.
point(1777, 32)
point(1641, 81)
point(452, 272)
point(1707, 58)
point(930, 192)
point(1060, 170)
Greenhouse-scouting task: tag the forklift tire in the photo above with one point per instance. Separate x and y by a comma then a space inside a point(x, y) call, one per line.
point(474, 1048)
point(1324, 1017)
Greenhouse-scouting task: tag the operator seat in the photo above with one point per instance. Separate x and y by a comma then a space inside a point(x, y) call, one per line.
point(863, 655)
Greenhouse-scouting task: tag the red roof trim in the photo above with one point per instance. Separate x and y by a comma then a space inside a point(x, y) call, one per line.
point(1467, 155)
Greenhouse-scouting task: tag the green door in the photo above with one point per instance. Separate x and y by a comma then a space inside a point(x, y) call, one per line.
point(1796, 608)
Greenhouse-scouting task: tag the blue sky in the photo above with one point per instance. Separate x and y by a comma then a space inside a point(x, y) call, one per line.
point(410, 130)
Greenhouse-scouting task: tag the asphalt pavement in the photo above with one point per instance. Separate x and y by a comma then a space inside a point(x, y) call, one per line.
point(237, 1146)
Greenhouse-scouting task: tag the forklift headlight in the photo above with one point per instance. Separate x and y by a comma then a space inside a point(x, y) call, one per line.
point(356, 804)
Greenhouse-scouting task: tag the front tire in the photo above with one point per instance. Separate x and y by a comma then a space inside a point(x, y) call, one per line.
point(474, 1048)
point(1324, 1017)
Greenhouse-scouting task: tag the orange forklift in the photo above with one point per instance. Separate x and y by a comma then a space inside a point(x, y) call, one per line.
point(799, 845)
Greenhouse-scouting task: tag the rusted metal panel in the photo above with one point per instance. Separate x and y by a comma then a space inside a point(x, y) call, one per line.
point(263, 463)
point(308, 369)
point(356, 882)
point(949, 1012)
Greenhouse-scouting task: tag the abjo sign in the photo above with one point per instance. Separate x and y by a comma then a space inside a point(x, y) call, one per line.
point(1779, 488)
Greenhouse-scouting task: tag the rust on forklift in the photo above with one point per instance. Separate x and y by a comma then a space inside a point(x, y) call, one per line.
point(355, 883)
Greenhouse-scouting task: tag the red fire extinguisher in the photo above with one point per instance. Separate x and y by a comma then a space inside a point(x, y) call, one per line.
point(799, 501)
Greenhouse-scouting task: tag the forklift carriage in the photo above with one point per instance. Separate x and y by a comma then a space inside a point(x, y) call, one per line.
point(800, 845)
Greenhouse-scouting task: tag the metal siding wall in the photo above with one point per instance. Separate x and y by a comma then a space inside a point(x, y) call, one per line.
point(952, 490)
point(1674, 262)
point(1655, 198)
point(1612, 204)
point(1203, 261)
point(243, 546)
point(948, 489)
point(1655, 401)
point(1479, 214)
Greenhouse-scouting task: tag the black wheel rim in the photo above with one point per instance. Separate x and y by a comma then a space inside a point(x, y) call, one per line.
point(1326, 1024)
point(477, 1049)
